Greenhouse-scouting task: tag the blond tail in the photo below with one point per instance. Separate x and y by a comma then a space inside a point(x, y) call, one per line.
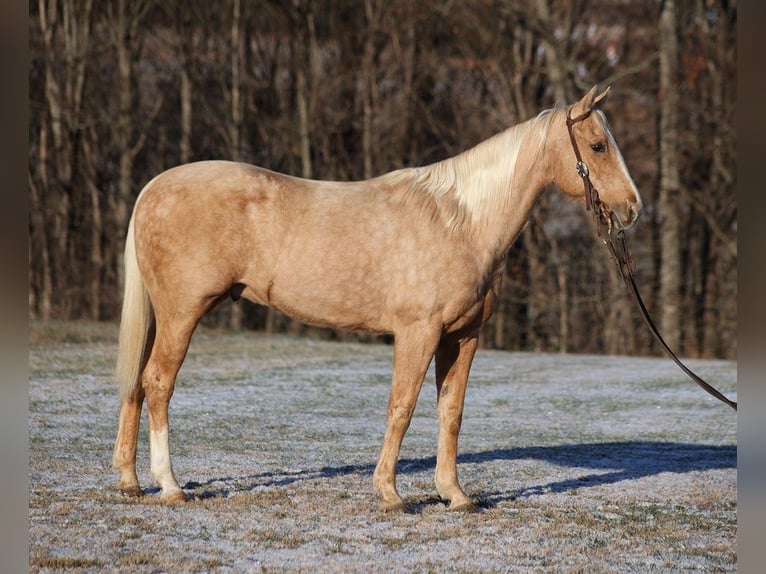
point(135, 322)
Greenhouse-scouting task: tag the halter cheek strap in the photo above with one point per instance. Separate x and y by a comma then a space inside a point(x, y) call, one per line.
point(592, 199)
point(582, 167)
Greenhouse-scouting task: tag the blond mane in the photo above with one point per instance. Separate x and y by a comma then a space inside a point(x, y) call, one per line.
point(468, 188)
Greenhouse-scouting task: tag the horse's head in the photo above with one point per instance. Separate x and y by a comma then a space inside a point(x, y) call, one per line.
point(602, 158)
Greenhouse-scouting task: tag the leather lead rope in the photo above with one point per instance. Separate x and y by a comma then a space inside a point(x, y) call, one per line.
point(615, 242)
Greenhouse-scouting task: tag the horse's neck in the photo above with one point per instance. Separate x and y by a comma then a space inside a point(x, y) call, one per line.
point(500, 181)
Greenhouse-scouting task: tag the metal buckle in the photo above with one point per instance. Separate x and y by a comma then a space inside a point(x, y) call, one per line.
point(582, 169)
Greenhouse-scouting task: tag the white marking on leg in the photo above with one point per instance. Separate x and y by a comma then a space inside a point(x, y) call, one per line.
point(162, 471)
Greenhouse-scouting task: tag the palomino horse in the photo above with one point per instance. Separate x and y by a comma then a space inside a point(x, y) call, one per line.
point(417, 253)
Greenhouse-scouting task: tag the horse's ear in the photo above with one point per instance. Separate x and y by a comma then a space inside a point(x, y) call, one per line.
point(598, 100)
point(590, 101)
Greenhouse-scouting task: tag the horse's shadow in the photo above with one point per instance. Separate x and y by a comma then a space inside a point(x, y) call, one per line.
point(611, 462)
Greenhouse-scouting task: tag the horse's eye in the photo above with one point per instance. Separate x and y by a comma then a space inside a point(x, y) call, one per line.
point(598, 147)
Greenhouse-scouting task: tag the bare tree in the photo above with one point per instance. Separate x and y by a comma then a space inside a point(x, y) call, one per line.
point(670, 224)
point(184, 29)
point(125, 20)
point(373, 14)
point(304, 62)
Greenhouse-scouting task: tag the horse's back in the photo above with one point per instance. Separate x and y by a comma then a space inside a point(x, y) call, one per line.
point(202, 183)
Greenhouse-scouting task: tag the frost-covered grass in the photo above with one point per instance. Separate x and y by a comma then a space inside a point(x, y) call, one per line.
point(579, 463)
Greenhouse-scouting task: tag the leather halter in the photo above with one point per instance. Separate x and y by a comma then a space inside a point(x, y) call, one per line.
point(618, 248)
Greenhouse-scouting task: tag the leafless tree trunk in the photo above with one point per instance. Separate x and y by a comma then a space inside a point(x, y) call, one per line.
point(404, 44)
point(185, 145)
point(236, 107)
point(182, 40)
point(40, 305)
point(537, 301)
point(186, 116)
point(90, 159)
point(125, 21)
point(554, 65)
point(562, 295)
point(619, 335)
point(304, 26)
point(373, 11)
point(720, 244)
point(670, 262)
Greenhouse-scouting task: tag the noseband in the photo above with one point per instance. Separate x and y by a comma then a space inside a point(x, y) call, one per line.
point(615, 242)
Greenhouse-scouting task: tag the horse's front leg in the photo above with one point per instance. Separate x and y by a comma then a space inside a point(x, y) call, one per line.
point(453, 362)
point(413, 350)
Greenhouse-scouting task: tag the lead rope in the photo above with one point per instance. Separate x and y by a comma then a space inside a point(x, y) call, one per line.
point(618, 248)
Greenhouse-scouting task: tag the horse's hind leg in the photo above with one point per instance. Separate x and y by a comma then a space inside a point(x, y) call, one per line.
point(124, 458)
point(453, 362)
point(171, 343)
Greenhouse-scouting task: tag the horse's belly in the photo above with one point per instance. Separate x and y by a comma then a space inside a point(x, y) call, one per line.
point(328, 308)
point(376, 282)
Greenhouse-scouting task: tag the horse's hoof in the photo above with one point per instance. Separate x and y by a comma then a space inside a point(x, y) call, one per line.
point(130, 491)
point(176, 497)
point(393, 507)
point(467, 507)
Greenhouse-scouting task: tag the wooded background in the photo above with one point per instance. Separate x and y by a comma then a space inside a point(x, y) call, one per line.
point(120, 90)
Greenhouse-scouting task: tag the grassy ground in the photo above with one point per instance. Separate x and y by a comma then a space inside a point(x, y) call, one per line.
point(579, 463)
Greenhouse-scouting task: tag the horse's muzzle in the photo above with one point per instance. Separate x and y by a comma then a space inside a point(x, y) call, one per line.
point(630, 215)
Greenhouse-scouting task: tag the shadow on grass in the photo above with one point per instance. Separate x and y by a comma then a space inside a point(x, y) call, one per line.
point(612, 462)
